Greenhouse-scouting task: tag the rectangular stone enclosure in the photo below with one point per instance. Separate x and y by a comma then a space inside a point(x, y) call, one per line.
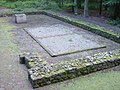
point(60, 40)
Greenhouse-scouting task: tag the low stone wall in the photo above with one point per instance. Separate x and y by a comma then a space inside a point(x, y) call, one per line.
point(41, 73)
point(32, 60)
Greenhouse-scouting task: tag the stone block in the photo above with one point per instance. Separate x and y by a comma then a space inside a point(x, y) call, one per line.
point(20, 18)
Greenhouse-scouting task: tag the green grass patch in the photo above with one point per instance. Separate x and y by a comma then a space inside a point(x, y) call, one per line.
point(96, 81)
point(7, 44)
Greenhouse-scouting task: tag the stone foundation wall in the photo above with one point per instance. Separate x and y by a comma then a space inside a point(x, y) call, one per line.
point(41, 73)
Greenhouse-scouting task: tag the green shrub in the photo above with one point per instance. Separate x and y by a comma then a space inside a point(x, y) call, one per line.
point(115, 22)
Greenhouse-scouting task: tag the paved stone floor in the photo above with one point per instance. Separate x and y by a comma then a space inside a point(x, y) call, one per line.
point(50, 31)
point(60, 40)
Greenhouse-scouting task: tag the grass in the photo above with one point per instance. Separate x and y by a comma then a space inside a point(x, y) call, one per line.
point(7, 44)
point(96, 81)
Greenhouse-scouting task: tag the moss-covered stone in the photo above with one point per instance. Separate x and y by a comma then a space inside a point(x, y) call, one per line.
point(32, 60)
point(41, 73)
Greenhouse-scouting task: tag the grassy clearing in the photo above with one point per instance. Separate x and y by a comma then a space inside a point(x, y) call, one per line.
point(7, 44)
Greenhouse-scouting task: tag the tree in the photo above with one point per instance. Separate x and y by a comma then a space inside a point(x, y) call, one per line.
point(75, 7)
point(79, 3)
point(114, 8)
point(86, 8)
point(100, 11)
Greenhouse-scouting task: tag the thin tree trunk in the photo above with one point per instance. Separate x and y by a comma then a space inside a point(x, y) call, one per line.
point(100, 12)
point(75, 7)
point(72, 6)
point(86, 8)
point(79, 3)
point(62, 2)
point(116, 11)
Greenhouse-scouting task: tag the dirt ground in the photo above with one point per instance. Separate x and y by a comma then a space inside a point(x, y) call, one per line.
point(29, 44)
point(93, 18)
point(13, 76)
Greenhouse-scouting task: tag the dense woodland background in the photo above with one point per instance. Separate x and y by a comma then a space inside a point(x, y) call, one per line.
point(107, 8)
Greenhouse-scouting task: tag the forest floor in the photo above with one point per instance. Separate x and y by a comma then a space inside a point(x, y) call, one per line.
point(13, 76)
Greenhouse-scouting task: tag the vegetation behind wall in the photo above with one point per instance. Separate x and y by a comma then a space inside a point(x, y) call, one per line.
point(112, 7)
point(20, 5)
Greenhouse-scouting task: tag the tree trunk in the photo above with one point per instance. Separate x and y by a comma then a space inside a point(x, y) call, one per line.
point(75, 7)
point(100, 12)
point(79, 3)
point(62, 2)
point(116, 11)
point(86, 8)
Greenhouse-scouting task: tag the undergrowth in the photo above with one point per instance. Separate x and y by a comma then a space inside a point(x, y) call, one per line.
point(29, 4)
point(115, 22)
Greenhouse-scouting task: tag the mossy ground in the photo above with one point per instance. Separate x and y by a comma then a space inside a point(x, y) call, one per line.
point(7, 37)
point(96, 81)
